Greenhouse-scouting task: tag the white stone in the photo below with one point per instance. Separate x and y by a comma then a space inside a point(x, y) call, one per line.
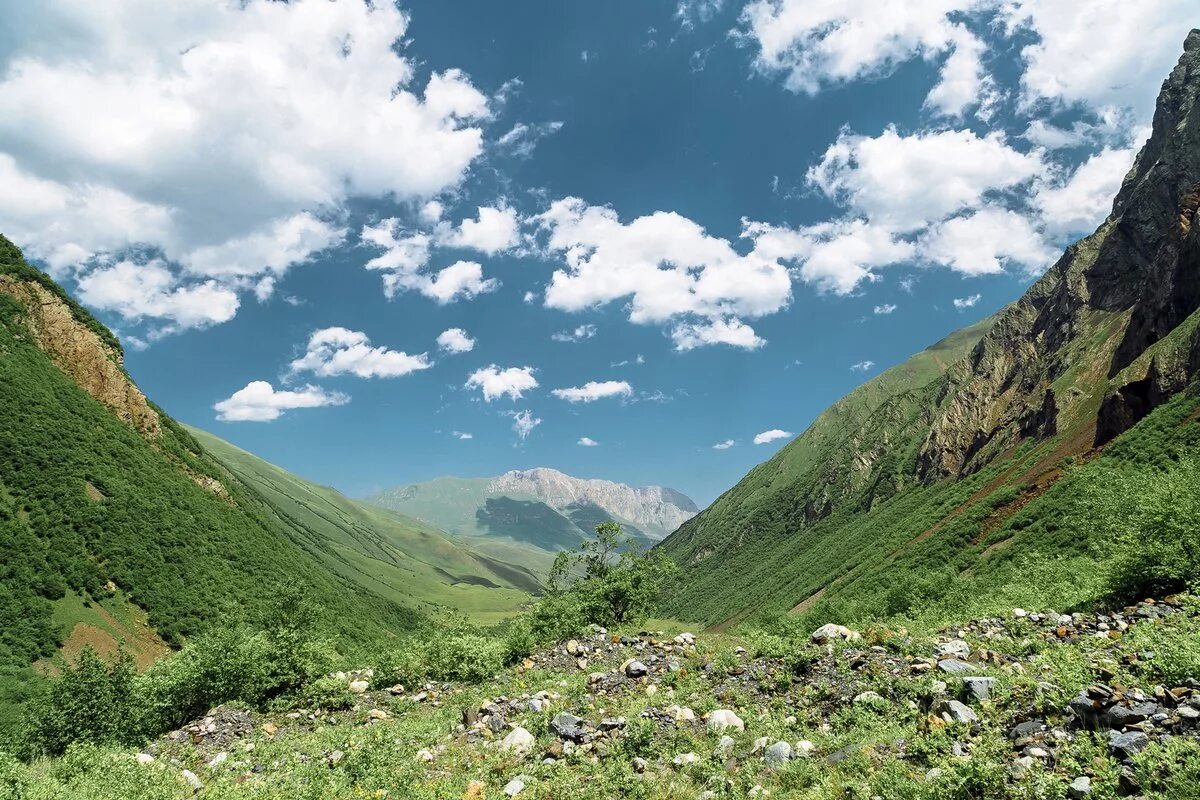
point(723, 719)
point(518, 741)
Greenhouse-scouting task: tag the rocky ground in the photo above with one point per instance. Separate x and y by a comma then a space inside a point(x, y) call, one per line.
point(1034, 704)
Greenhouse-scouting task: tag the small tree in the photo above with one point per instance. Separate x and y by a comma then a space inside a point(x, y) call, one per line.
point(619, 582)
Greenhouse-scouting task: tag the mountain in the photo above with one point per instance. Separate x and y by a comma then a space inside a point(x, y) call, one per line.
point(539, 507)
point(118, 523)
point(964, 463)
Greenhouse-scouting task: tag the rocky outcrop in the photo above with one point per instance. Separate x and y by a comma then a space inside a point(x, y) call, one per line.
point(655, 507)
point(82, 355)
point(1085, 331)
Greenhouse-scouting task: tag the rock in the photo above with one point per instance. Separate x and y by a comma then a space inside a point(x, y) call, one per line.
point(1020, 768)
point(639, 765)
point(1122, 716)
point(496, 723)
point(573, 647)
point(192, 780)
point(1020, 613)
point(1125, 745)
point(684, 759)
point(979, 688)
point(681, 713)
point(954, 711)
point(425, 756)
point(955, 648)
point(724, 747)
point(867, 697)
point(830, 632)
point(514, 787)
point(1080, 787)
point(377, 714)
point(145, 758)
point(777, 755)
point(1085, 710)
point(568, 726)
point(519, 741)
point(803, 749)
point(953, 666)
point(359, 687)
point(612, 723)
point(636, 669)
point(335, 758)
point(724, 719)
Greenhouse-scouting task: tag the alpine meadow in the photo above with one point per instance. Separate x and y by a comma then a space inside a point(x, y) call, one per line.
point(399, 399)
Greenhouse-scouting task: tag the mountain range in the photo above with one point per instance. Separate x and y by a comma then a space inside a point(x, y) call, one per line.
point(540, 507)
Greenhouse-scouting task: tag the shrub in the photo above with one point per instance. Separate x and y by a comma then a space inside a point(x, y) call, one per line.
point(457, 651)
point(13, 780)
point(326, 693)
point(90, 701)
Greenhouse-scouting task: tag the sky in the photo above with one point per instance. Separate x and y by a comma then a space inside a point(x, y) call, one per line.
point(648, 241)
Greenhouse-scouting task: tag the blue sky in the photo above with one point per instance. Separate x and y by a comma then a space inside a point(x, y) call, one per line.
point(623, 240)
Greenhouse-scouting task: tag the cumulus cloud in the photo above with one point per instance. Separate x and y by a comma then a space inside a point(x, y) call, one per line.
point(593, 391)
point(577, 335)
point(201, 130)
point(862, 366)
point(585, 441)
point(987, 241)
point(463, 435)
point(835, 256)
point(523, 423)
point(725, 445)
point(455, 340)
point(1077, 204)
point(731, 331)
point(339, 351)
point(667, 268)
point(461, 280)
point(772, 435)
point(967, 302)
point(493, 231)
point(495, 382)
point(886, 308)
point(259, 401)
point(151, 290)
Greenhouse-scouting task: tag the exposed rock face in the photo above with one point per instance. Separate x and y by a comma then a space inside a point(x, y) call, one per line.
point(80, 353)
point(652, 506)
point(1086, 333)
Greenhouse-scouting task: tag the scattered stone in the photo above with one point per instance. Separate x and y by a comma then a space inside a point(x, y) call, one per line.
point(979, 688)
point(568, 726)
point(425, 756)
point(955, 648)
point(954, 711)
point(777, 755)
point(724, 747)
point(636, 669)
point(830, 632)
point(335, 758)
point(639, 765)
point(145, 758)
point(519, 741)
point(192, 780)
point(953, 666)
point(1080, 787)
point(359, 687)
point(867, 697)
point(723, 719)
point(1125, 745)
point(685, 759)
point(803, 749)
point(514, 787)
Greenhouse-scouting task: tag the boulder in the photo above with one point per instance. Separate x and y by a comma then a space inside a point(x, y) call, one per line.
point(777, 755)
point(954, 711)
point(724, 719)
point(978, 687)
point(1125, 745)
point(831, 632)
point(519, 741)
point(953, 666)
point(568, 726)
point(1080, 787)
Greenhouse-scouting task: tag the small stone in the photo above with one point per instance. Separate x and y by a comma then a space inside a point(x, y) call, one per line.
point(953, 666)
point(955, 648)
point(723, 719)
point(684, 759)
point(1125, 745)
point(1080, 787)
point(954, 711)
point(519, 741)
point(335, 758)
point(724, 747)
point(514, 787)
point(377, 713)
point(636, 669)
point(359, 687)
point(1020, 768)
point(979, 688)
point(933, 774)
point(145, 758)
point(573, 647)
point(568, 726)
point(191, 779)
point(425, 756)
point(778, 754)
point(830, 632)
point(867, 697)
point(803, 749)
point(639, 765)
point(1020, 613)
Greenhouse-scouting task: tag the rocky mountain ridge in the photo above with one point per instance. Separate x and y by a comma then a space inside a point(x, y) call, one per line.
point(653, 506)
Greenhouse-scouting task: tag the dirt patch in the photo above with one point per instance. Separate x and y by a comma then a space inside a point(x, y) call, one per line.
point(94, 494)
point(810, 601)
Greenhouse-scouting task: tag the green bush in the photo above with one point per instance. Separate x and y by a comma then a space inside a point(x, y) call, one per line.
point(456, 651)
point(90, 701)
point(330, 694)
point(13, 780)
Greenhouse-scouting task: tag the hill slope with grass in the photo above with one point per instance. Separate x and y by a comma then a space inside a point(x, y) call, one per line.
point(109, 509)
point(925, 484)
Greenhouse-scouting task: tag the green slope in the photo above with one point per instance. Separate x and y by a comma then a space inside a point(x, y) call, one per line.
point(398, 557)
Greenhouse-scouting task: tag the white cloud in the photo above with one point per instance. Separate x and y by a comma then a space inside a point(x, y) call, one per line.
point(725, 445)
point(905, 182)
point(523, 423)
point(667, 267)
point(151, 290)
point(463, 436)
point(730, 331)
point(460, 280)
point(594, 390)
point(835, 256)
point(964, 82)
point(862, 366)
point(693, 12)
point(585, 441)
point(496, 382)
point(967, 302)
point(1078, 204)
point(772, 435)
point(225, 136)
point(258, 401)
point(522, 138)
point(339, 351)
point(987, 241)
point(494, 231)
point(1141, 40)
point(578, 335)
point(886, 308)
point(455, 340)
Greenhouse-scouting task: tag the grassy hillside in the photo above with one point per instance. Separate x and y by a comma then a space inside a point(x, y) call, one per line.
point(395, 556)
